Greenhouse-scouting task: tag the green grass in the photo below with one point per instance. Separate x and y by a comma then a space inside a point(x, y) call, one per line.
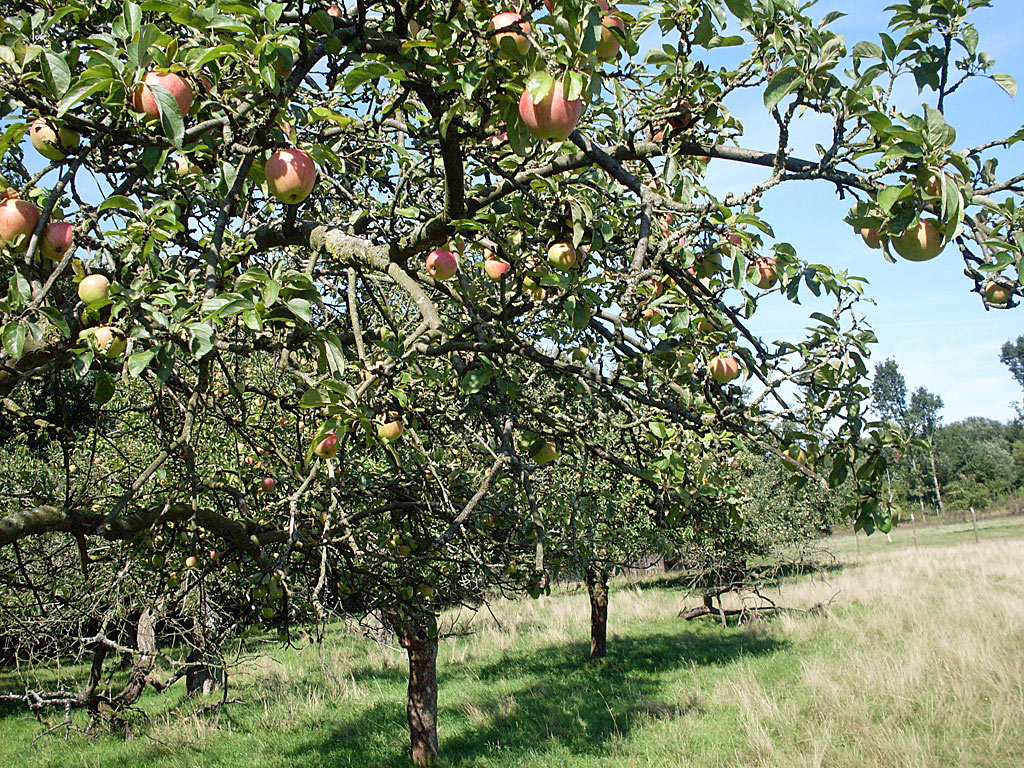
point(918, 661)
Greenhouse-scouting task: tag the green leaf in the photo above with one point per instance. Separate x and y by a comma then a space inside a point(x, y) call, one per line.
point(888, 197)
point(866, 50)
point(476, 379)
point(170, 115)
point(120, 202)
point(786, 80)
point(105, 388)
point(54, 316)
point(272, 13)
point(315, 398)
point(138, 362)
point(14, 339)
point(539, 85)
point(271, 290)
point(1007, 83)
point(301, 309)
point(55, 73)
point(742, 10)
point(83, 89)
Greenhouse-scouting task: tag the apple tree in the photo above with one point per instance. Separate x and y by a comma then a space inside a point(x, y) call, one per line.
point(309, 274)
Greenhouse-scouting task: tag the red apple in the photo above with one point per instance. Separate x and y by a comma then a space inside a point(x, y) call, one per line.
point(442, 264)
point(496, 268)
point(144, 103)
point(53, 144)
point(58, 237)
point(267, 484)
point(608, 47)
point(766, 274)
point(872, 237)
point(562, 256)
point(334, 10)
point(94, 288)
point(18, 218)
point(920, 243)
point(518, 31)
point(290, 175)
point(328, 447)
point(554, 117)
point(724, 368)
point(996, 294)
point(390, 430)
point(708, 266)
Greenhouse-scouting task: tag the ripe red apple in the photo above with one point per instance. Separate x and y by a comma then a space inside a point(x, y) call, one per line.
point(58, 237)
point(390, 430)
point(608, 47)
point(334, 10)
point(554, 117)
point(872, 237)
point(562, 255)
point(107, 341)
point(442, 264)
point(145, 104)
point(996, 294)
point(920, 243)
point(290, 175)
point(724, 368)
point(766, 274)
point(267, 484)
point(518, 31)
point(94, 288)
point(495, 268)
point(544, 453)
point(328, 447)
point(18, 218)
point(53, 144)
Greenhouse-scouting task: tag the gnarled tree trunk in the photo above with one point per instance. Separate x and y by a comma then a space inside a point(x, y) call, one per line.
point(421, 701)
point(597, 588)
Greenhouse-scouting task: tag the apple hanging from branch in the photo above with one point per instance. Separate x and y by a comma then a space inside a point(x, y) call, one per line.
point(554, 117)
point(290, 174)
point(442, 264)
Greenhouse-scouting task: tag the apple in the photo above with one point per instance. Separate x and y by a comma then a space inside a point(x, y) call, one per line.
point(145, 104)
point(608, 46)
point(933, 187)
point(328, 447)
point(334, 10)
point(555, 117)
point(519, 30)
point(562, 255)
point(495, 268)
point(766, 274)
point(390, 430)
point(94, 288)
point(107, 341)
point(426, 590)
point(920, 243)
point(184, 167)
point(50, 143)
point(544, 453)
point(872, 237)
point(996, 294)
point(18, 218)
point(191, 561)
point(793, 458)
point(58, 237)
point(534, 290)
point(290, 175)
point(267, 484)
point(724, 368)
point(442, 264)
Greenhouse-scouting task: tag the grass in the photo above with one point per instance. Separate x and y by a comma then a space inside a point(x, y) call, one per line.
point(918, 660)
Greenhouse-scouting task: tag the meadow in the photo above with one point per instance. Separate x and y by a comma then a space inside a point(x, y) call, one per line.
point(900, 655)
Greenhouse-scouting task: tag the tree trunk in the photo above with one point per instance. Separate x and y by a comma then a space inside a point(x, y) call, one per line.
point(205, 671)
point(597, 587)
point(421, 701)
point(935, 476)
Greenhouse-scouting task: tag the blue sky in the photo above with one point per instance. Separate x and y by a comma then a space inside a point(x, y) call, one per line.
point(925, 314)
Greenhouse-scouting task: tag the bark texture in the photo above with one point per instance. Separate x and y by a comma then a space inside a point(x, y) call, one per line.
point(421, 701)
point(597, 588)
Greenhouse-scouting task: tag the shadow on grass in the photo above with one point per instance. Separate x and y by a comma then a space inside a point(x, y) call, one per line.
point(537, 698)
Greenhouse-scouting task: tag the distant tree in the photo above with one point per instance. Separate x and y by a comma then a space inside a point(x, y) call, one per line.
point(923, 417)
point(1012, 356)
point(889, 391)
